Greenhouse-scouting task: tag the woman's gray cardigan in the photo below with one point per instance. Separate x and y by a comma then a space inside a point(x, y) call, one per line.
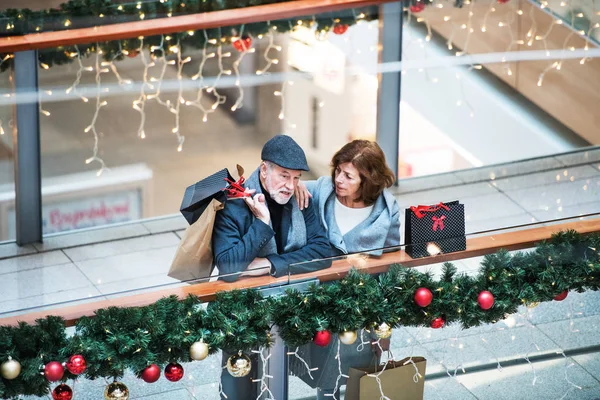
point(381, 229)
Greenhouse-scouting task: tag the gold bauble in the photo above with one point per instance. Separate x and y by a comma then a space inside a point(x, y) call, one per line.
point(239, 365)
point(533, 304)
point(116, 391)
point(348, 337)
point(321, 34)
point(383, 331)
point(198, 351)
point(10, 369)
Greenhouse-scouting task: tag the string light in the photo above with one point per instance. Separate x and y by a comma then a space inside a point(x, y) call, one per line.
point(113, 67)
point(533, 29)
point(264, 388)
point(219, 99)
point(544, 37)
point(308, 369)
point(175, 109)
point(340, 374)
point(201, 87)
point(281, 93)
point(41, 109)
point(587, 41)
point(140, 103)
point(567, 366)
point(236, 71)
point(469, 29)
point(180, 100)
point(490, 10)
point(555, 64)
point(271, 46)
point(73, 88)
point(92, 126)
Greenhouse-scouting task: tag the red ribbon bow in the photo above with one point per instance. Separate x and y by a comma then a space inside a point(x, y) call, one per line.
point(235, 189)
point(438, 222)
point(419, 210)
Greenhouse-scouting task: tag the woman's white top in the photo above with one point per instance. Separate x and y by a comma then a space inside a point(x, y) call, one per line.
point(347, 218)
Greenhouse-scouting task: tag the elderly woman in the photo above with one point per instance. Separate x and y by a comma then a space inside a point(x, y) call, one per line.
point(360, 215)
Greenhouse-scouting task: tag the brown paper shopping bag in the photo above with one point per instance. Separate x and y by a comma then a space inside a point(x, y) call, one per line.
point(194, 258)
point(400, 380)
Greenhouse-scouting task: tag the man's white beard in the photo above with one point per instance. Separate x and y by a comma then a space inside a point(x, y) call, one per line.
point(275, 195)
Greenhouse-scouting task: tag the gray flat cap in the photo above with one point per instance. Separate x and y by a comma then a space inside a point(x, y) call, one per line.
point(285, 152)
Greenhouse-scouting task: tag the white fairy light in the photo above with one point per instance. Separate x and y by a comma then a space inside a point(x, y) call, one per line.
point(340, 374)
point(490, 10)
point(219, 99)
point(264, 388)
point(543, 38)
point(113, 67)
point(587, 41)
point(498, 365)
point(469, 28)
point(555, 65)
point(221, 392)
point(73, 87)
point(92, 126)
point(378, 379)
point(41, 109)
point(308, 368)
point(236, 71)
point(140, 103)
point(180, 100)
point(201, 87)
point(270, 61)
point(568, 364)
point(532, 31)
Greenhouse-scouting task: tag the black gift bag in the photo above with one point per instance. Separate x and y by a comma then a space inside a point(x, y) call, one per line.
point(199, 195)
point(431, 230)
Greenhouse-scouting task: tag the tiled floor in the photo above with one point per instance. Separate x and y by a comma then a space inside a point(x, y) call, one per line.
point(103, 262)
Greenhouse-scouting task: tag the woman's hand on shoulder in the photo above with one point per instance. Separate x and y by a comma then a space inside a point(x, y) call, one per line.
point(302, 195)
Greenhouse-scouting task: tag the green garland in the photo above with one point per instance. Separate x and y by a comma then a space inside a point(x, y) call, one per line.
point(117, 339)
point(83, 13)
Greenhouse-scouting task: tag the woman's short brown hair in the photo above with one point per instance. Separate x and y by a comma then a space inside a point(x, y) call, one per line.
point(368, 158)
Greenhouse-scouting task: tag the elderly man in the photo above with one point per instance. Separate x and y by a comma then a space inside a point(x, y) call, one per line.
point(268, 232)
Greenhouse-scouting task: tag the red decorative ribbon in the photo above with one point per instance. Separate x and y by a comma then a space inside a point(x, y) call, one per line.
point(438, 222)
point(419, 210)
point(235, 189)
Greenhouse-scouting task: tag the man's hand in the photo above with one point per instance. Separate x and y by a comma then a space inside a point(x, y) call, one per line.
point(259, 208)
point(259, 266)
point(302, 195)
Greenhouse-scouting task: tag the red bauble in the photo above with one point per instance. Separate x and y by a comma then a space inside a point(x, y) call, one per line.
point(437, 323)
point(173, 372)
point(322, 338)
point(417, 7)
point(503, 1)
point(340, 29)
point(54, 371)
point(242, 44)
point(561, 296)
point(485, 300)
point(152, 373)
point(62, 392)
point(76, 364)
point(423, 297)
